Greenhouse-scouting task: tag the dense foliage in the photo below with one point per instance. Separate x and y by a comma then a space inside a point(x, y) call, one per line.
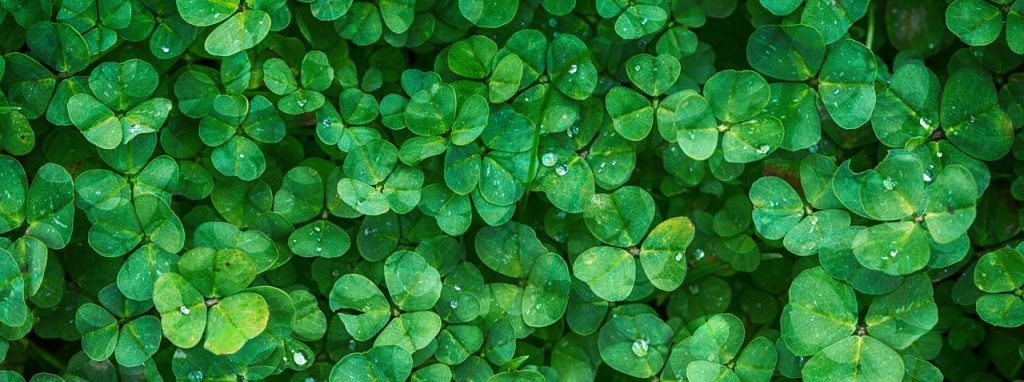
point(503, 190)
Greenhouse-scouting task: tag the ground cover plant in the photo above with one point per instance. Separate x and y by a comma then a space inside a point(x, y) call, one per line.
point(503, 190)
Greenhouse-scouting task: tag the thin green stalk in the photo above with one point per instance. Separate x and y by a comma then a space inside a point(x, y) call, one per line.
point(45, 356)
point(870, 38)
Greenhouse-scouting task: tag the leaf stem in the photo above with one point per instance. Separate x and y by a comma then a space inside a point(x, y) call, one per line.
point(701, 273)
point(869, 40)
point(531, 172)
point(45, 356)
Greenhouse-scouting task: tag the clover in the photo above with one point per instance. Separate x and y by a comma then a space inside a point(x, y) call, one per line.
point(845, 77)
point(207, 295)
point(119, 108)
point(713, 352)
point(998, 274)
point(104, 335)
point(239, 26)
point(737, 99)
point(980, 22)
point(821, 321)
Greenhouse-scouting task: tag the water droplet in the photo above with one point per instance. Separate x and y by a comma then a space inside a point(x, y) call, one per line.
point(889, 184)
point(316, 228)
point(835, 92)
point(299, 357)
point(637, 68)
point(453, 303)
point(335, 273)
point(643, 20)
point(457, 287)
point(927, 175)
point(319, 248)
point(925, 123)
point(679, 256)
point(814, 220)
point(894, 252)
point(549, 159)
point(698, 254)
point(562, 169)
point(309, 379)
point(640, 347)
point(165, 49)
point(974, 119)
point(195, 376)
point(241, 156)
point(938, 154)
point(814, 149)
point(184, 310)
point(301, 102)
point(573, 68)
point(135, 129)
point(763, 149)
point(694, 289)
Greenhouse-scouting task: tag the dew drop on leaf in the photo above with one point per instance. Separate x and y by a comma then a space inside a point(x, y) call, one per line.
point(549, 159)
point(562, 169)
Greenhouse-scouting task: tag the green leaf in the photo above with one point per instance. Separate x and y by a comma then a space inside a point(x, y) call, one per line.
point(412, 283)
point(98, 123)
point(1000, 271)
point(488, 13)
point(319, 239)
point(632, 114)
point(384, 363)
point(241, 31)
point(902, 316)
point(182, 310)
point(138, 341)
point(846, 83)
point(14, 312)
point(472, 57)
point(899, 248)
point(362, 307)
point(972, 118)
point(909, 108)
point(787, 52)
point(820, 312)
point(217, 272)
point(235, 320)
point(662, 255)
point(833, 19)
point(49, 208)
point(205, 12)
point(239, 157)
point(99, 331)
point(570, 67)
point(609, 272)
point(635, 345)
point(894, 189)
point(653, 74)
point(431, 111)
point(951, 204)
point(975, 22)
point(410, 331)
point(546, 294)
point(58, 45)
point(752, 140)
point(777, 207)
point(509, 249)
point(15, 185)
point(697, 132)
point(855, 358)
point(620, 218)
point(640, 20)
point(736, 96)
